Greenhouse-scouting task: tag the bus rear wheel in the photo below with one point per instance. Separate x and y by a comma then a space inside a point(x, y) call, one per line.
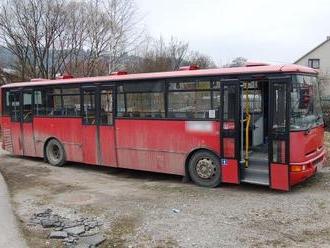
point(55, 153)
point(204, 169)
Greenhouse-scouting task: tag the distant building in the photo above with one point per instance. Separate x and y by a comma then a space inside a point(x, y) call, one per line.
point(319, 58)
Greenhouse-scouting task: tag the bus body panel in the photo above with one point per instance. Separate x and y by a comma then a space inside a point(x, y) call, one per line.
point(108, 146)
point(28, 139)
point(89, 144)
point(306, 145)
point(162, 146)
point(7, 143)
point(309, 151)
point(66, 130)
point(280, 177)
point(16, 136)
point(230, 171)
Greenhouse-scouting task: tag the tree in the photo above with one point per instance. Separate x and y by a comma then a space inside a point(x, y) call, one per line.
point(203, 61)
point(86, 38)
point(237, 62)
point(158, 55)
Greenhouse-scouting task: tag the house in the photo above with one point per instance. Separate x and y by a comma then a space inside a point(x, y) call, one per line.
point(319, 58)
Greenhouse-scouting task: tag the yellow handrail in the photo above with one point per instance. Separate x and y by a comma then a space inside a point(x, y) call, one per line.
point(248, 121)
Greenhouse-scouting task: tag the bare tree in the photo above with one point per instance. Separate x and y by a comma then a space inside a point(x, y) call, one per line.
point(203, 61)
point(159, 55)
point(85, 37)
point(237, 62)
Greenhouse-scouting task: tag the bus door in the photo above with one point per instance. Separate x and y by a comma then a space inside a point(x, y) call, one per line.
point(27, 123)
point(279, 130)
point(89, 121)
point(21, 122)
point(106, 131)
point(15, 116)
point(98, 130)
point(230, 130)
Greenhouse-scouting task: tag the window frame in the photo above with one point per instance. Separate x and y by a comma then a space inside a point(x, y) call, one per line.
point(163, 87)
point(214, 87)
point(311, 63)
point(97, 89)
point(46, 90)
point(5, 111)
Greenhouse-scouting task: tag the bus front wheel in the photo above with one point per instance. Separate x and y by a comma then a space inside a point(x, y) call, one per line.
point(204, 169)
point(55, 153)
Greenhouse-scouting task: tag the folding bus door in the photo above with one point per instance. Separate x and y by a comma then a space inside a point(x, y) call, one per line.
point(89, 122)
point(279, 128)
point(98, 125)
point(106, 126)
point(27, 123)
point(15, 116)
point(230, 130)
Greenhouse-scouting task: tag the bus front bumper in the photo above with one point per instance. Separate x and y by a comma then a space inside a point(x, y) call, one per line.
point(308, 169)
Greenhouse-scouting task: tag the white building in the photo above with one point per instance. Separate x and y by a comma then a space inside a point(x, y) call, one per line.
point(319, 58)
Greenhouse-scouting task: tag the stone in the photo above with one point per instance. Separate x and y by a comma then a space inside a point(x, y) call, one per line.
point(47, 223)
point(174, 210)
point(58, 235)
point(92, 241)
point(77, 230)
point(45, 213)
point(69, 240)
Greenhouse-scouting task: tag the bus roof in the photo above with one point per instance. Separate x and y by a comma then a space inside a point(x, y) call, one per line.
point(174, 74)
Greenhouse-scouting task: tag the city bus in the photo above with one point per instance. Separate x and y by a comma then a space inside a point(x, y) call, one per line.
point(259, 124)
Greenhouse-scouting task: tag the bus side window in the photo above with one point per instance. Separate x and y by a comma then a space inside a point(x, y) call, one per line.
point(5, 103)
point(195, 99)
point(106, 114)
point(89, 107)
point(39, 103)
point(15, 105)
point(27, 106)
point(141, 100)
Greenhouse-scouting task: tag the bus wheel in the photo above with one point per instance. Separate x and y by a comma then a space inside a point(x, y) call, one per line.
point(204, 169)
point(55, 153)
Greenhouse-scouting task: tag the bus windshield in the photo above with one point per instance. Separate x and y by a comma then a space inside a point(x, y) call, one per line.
point(306, 110)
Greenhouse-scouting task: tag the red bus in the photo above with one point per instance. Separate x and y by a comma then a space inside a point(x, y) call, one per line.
point(259, 124)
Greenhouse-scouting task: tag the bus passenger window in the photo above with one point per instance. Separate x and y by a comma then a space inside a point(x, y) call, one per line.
point(39, 102)
point(5, 103)
point(141, 100)
point(27, 107)
point(106, 117)
point(89, 109)
point(195, 99)
point(14, 99)
point(71, 101)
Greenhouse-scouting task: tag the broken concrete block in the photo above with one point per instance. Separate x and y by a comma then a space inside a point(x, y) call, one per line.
point(77, 230)
point(92, 241)
point(47, 223)
point(58, 235)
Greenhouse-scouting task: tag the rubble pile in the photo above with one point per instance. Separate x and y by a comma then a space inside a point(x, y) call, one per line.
point(82, 232)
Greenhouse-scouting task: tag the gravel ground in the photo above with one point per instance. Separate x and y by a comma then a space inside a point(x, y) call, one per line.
point(142, 209)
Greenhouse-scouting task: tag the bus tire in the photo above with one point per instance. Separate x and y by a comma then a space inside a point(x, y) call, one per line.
point(55, 153)
point(204, 169)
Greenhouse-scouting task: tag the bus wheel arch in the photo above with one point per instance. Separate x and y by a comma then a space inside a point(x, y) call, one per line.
point(198, 157)
point(54, 152)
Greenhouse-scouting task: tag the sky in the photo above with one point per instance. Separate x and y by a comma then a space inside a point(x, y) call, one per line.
point(274, 31)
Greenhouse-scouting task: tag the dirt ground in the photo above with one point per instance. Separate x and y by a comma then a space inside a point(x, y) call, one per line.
point(137, 207)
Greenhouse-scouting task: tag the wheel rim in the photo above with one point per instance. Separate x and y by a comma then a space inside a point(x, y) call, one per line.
point(55, 152)
point(206, 168)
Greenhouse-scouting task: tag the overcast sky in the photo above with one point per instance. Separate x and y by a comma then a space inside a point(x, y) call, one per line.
point(261, 30)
